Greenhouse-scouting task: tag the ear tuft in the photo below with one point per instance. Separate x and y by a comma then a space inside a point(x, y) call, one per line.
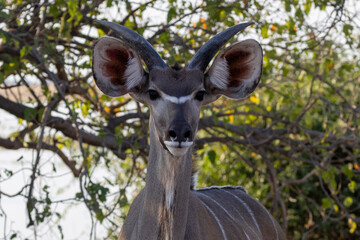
point(219, 74)
point(117, 69)
point(236, 71)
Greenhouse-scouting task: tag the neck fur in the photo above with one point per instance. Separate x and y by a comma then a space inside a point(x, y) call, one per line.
point(167, 191)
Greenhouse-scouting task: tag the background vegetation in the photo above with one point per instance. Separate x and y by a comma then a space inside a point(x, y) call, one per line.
point(294, 143)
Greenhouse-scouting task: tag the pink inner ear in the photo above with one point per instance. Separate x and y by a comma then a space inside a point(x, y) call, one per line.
point(239, 67)
point(117, 54)
point(114, 66)
point(238, 56)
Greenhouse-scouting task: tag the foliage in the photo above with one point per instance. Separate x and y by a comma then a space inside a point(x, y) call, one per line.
point(294, 143)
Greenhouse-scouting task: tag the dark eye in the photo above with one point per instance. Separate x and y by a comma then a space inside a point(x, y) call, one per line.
point(200, 95)
point(153, 95)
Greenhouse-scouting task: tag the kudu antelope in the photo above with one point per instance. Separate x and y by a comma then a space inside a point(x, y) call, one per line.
point(169, 207)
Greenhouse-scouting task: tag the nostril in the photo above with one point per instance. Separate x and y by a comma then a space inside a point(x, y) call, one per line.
point(187, 135)
point(179, 133)
point(172, 135)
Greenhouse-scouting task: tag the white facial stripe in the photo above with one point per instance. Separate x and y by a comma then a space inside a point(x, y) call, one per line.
point(177, 149)
point(177, 152)
point(171, 143)
point(186, 144)
point(176, 144)
point(177, 100)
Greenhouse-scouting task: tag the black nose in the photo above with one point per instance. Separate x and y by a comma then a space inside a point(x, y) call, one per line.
point(180, 132)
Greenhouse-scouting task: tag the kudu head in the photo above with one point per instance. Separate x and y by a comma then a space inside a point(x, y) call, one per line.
point(175, 96)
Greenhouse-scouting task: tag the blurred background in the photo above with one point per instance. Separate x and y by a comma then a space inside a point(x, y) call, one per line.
point(72, 159)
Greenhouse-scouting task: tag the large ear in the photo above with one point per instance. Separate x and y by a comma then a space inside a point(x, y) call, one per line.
point(117, 68)
point(236, 71)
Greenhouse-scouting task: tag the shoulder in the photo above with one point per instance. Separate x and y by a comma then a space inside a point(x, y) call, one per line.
point(228, 198)
point(219, 189)
point(228, 194)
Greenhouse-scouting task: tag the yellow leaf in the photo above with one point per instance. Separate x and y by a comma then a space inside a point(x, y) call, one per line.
point(276, 164)
point(356, 166)
point(254, 99)
point(324, 137)
point(101, 32)
point(273, 28)
point(231, 118)
point(331, 65)
point(352, 225)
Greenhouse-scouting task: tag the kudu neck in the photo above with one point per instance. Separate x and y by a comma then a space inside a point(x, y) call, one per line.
point(159, 156)
point(167, 190)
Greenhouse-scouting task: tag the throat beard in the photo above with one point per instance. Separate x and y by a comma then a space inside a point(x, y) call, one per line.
point(167, 223)
point(167, 211)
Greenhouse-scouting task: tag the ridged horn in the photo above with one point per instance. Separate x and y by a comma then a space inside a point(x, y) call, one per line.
point(146, 51)
point(202, 58)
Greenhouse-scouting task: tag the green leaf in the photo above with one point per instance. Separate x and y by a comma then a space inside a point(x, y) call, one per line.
point(299, 14)
point(212, 157)
point(40, 113)
point(2, 77)
point(349, 174)
point(109, 3)
point(348, 201)
point(13, 236)
point(352, 186)
point(265, 31)
point(307, 7)
point(171, 14)
point(100, 216)
point(30, 114)
point(85, 109)
point(78, 195)
point(61, 231)
point(73, 11)
point(287, 6)
point(24, 51)
point(347, 29)
point(326, 203)
point(329, 177)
